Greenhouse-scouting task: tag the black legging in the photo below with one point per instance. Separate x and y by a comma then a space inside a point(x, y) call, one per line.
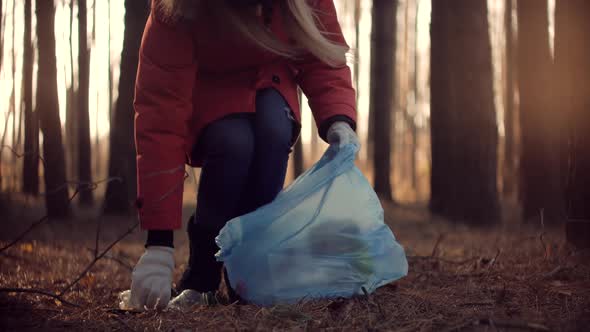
point(245, 161)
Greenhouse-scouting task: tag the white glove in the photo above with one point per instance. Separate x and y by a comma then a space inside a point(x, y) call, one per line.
point(340, 133)
point(151, 280)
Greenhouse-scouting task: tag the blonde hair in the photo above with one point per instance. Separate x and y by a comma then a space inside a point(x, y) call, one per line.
point(300, 19)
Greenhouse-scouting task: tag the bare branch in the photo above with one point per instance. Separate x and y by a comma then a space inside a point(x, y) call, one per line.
point(97, 258)
point(39, 292)
point(122, 322)
point(31, 227)
point(22, 155)
point(80, 187)
point(461, 262)
point(498, 323)
point(115, 259)
point(437, 244)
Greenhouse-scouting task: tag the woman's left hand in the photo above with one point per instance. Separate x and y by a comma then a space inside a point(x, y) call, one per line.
point(340, 133)
point(151, 280)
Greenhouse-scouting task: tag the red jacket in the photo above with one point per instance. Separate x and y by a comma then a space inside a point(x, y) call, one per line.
point(192, 74)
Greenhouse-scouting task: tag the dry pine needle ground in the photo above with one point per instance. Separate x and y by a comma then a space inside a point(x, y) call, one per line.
point(508, 278)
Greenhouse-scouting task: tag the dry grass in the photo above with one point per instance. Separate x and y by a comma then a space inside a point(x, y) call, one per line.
point(508, 278)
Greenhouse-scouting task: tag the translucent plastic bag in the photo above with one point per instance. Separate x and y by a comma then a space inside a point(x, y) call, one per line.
point(322, 237)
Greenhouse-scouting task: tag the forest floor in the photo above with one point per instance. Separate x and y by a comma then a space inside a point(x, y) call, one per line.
point(509, 278)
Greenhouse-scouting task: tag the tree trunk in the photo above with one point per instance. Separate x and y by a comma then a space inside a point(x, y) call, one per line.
point(71, 140)
point(97, 151)
point(382, 91)
point(415, 130)
point(414, 155)
point(83, 122)
point(2, 28)
point(122, 148)
point(48, 111)
point(298, 159)
point(315, 140)
point(403, 69)
point(371, 116)
point(298, 166)
point(509, 112)
point(1, 57)
point(540, 123)
point(357, 32)
point(572, 57)
point(109, 61)
point(12, 182)
point(1, 34)
point(464, 133)
point(31, 158)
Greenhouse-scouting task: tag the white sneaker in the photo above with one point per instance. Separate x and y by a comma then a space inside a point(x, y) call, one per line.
point(186, 300)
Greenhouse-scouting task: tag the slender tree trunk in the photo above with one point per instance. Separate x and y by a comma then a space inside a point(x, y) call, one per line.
point(19, 141)
point(109, 61)
point(2, 19)
point(298, 159)
point(1, 33)
point(540, 123)
point(315, 142)
point(298, 167)
point(84, 148)
point(509, 138)
point(382, 89)
point(14, 158)
point(48, 111)
point(31, 159)
point(1, 57)
point(371, 116)
point(357, 32)
point(414, 156)
point(403, 68)
point(464, 134)
point(2, 144)
point(71, 122)
point(415, 131)
point(572, 58)
point(98, 153)
point(122, 148)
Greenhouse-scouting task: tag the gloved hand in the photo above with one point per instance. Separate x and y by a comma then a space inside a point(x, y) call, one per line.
point(340, 133)
point(151, 280)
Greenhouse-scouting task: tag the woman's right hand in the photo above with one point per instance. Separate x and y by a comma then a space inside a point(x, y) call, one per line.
point(151, 280)
point(341, 133)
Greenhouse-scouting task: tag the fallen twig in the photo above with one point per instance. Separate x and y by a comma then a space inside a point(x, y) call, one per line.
point(498, 323)
point(122, 322)
point(97, 258)
point(32, 226)
point(542, 215)
point(79, 187)
point(486, 303)
point(435, 248)
point(115, 259)
point(551, 274)
point(381, 312)
point(493, 261)
point(39, 292)
point(444, 260)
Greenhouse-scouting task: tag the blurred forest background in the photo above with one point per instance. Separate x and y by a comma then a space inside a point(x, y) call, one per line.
point(468, 107)
point(470, 113)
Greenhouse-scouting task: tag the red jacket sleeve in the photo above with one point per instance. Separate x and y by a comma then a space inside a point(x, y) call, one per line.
point(163, 107)
point(328, 89)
